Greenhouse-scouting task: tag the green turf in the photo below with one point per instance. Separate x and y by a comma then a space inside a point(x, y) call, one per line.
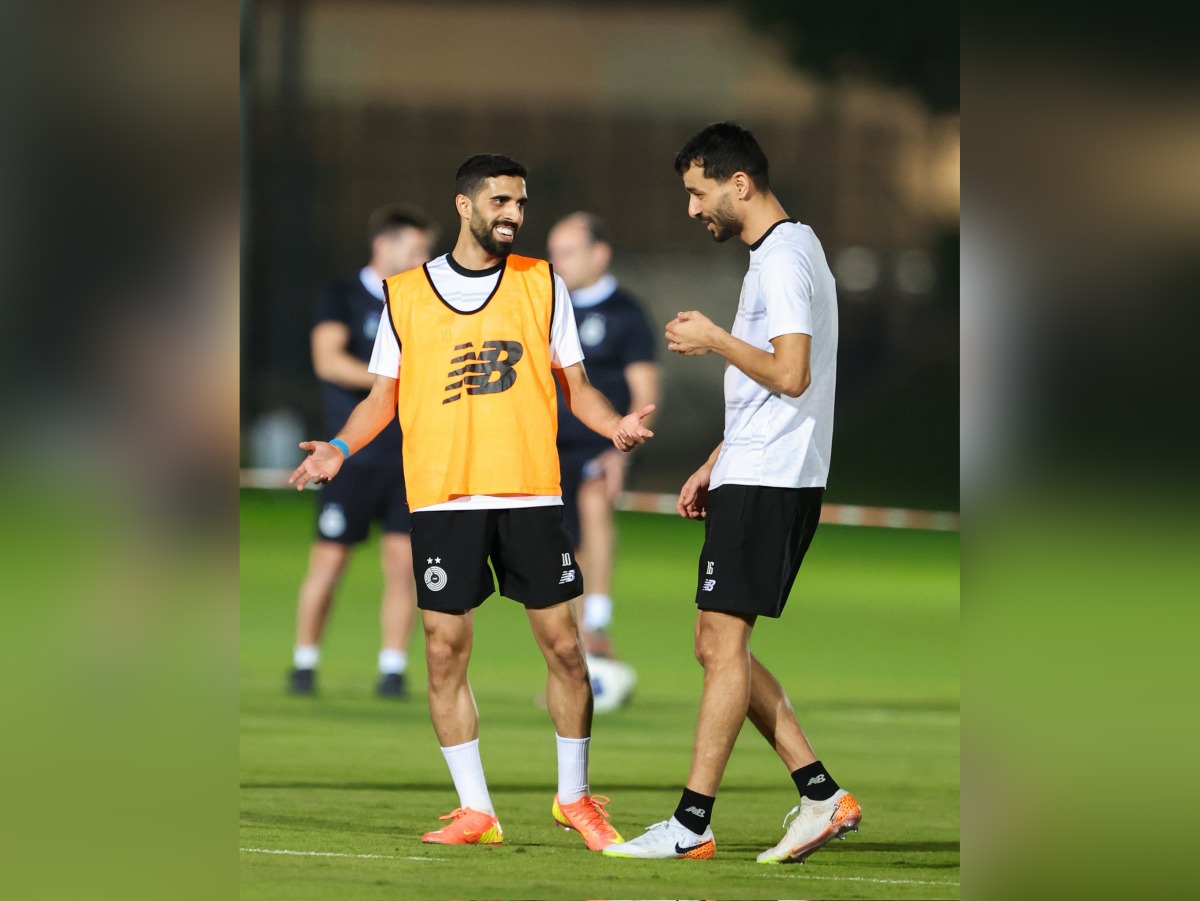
point(868, 649)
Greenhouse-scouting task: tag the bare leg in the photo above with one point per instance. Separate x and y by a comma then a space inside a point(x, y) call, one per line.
point(597, 536)
point(723, 649)
point(772, 714)
point(399, 591)
point(596, 555)
point(326, 563)
point(448, 640)
point(568, 690)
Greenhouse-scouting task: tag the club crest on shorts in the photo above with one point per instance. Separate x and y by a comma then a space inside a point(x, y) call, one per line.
point(435, 576)
point(332, 521)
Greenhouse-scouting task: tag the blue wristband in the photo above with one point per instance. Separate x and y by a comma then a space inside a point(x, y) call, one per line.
point(341, 445)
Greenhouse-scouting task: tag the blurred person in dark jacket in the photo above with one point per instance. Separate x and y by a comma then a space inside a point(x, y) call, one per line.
point(371, 486)
point(620, 351)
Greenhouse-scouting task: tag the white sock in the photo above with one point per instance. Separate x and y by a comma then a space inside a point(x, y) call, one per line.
point(305, 656)
point(466, 769)
point(572, 769)
point(392, 661)
point(597, 612)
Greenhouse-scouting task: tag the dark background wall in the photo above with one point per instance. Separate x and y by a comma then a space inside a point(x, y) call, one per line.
point(347, 106)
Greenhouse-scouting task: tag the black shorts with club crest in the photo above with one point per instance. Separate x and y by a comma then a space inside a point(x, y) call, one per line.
point(360, 495)
point(755, 538)
point(527, 546)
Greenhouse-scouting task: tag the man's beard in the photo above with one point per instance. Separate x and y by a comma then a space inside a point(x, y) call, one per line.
point(491, 245)
point(725, 222)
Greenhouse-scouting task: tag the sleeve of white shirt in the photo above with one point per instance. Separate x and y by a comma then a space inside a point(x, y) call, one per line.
point(565, 349)
point(385, 356)
point(786, 284)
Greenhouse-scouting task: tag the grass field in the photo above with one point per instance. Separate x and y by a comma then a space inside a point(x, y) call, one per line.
point(337, 789)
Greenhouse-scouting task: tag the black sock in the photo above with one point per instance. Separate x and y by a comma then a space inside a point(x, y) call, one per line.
point(695, 811)
point(814, 782)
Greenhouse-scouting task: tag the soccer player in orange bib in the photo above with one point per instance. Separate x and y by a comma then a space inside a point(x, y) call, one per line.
point(476, 340)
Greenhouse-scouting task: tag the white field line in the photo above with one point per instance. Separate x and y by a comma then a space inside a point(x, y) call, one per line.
point(331, 854)
point(772, 875)
point(861, 879)
point(650, 502)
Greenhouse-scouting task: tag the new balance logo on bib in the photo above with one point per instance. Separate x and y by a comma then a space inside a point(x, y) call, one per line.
point(477, 370)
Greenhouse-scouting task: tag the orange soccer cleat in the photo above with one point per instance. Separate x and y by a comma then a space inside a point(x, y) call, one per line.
point(588, 817)
point(470, 827)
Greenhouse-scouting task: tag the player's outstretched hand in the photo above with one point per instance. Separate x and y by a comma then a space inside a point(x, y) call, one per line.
point(630, 432)
point(322, 464)
point(693, 496)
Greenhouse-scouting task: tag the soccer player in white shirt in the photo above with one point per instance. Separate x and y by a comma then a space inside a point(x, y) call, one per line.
point(759, 492)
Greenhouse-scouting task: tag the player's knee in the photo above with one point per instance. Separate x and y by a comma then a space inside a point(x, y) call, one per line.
point(710, 649)
point(566, 656)
point(444, 658)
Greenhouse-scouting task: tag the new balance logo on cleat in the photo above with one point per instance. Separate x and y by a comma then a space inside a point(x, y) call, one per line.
point(817, 780)
point(709, 585)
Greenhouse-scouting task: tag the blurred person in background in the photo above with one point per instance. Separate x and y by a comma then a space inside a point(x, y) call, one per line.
point(476, 341)
point(620, 353)
point(759, 493)
point(371, 487)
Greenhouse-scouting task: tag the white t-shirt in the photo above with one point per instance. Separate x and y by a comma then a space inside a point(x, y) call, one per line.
point(772, 439)
point(467, 290)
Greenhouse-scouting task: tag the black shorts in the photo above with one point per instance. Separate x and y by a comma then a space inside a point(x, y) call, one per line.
point(573, 461)
point(528, 547)
point(358, 496)
point(755, 539)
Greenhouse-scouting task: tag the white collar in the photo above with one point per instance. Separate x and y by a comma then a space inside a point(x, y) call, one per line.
point(372, 281)
point(595, 293)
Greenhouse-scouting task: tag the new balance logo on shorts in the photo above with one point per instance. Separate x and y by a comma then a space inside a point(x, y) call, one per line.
point(568, 576)
point(709, 585)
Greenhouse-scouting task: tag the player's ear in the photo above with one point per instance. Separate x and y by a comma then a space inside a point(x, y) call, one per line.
point(742, 185)
point(462, 203)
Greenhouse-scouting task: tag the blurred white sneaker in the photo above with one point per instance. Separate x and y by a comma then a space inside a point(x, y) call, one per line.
point(613, 681)
point(813, 823)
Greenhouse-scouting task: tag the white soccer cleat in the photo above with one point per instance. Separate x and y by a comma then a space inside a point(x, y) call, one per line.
point(665, 841)
point(813, 823)
point(613, 681)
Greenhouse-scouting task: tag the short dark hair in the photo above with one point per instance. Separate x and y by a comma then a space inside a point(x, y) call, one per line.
point(722, 149)
point(388, 219)
point(479, 168)
point(597, 231)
